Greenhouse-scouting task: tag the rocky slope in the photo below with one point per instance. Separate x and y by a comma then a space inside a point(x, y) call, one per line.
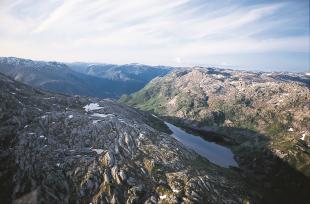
point(264, 116)
point(70, 149)
point(110, 81)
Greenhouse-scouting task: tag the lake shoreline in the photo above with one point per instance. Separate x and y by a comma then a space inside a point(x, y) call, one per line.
point(214, 152)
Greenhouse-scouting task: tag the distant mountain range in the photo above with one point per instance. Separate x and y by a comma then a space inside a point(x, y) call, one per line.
point(57, 148)
point(97, 80)
point(128, 72)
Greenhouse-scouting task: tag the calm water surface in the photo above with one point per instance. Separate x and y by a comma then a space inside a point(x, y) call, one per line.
point(215, 153)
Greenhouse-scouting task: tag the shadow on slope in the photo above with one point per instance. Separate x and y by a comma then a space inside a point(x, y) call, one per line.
point(273, 178)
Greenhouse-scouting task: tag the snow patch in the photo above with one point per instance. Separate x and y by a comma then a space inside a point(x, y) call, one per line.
point(92, 106)
point(98, 151)
point(48, 98)
point(163, 197)
point(96, 121)
point(175, 190)
point(219, 76)
point(70, 116)
point(141, 136)
point(101, 115)
point(291, 130)
point(154, 116)
point(303, 136)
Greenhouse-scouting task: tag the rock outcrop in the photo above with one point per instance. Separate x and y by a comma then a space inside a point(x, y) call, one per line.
point(70, 149)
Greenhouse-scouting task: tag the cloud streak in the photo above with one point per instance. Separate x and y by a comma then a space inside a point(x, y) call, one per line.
point(153, 31)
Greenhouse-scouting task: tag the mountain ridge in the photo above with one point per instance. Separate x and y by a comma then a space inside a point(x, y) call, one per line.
point(263, 117)
point(62, 78)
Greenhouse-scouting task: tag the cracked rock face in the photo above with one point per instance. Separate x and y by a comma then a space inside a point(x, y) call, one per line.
point(53, 150)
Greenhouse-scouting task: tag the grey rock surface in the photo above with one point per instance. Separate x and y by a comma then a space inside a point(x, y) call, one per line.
point(71, 149)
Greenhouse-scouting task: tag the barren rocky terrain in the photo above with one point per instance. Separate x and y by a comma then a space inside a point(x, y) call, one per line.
point(71, 149)
point(263, 117)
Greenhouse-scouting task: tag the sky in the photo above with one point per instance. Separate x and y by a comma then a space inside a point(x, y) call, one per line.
point(265, 35)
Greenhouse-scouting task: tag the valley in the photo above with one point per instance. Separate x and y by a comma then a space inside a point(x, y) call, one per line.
point(191, 135)
point(87, 79)
point(262, 117)
point(68, 149)
point(154, 102)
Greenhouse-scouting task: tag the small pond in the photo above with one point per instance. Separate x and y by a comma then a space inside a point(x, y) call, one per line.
point(215, 153)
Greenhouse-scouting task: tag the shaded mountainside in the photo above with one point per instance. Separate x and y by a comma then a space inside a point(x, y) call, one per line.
point(264, 116)
point(128, 72)
point(62, 149)
point(59, 77)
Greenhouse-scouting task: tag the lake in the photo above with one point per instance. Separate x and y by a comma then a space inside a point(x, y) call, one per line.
point(215, 153)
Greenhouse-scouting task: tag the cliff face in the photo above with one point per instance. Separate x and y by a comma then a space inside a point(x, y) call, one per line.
point(265, 115)
point(61, 149)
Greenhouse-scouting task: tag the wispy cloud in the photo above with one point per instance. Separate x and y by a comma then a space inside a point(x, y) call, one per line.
point(154, 32)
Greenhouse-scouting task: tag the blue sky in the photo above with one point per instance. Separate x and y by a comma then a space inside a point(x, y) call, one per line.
point(256, 35)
